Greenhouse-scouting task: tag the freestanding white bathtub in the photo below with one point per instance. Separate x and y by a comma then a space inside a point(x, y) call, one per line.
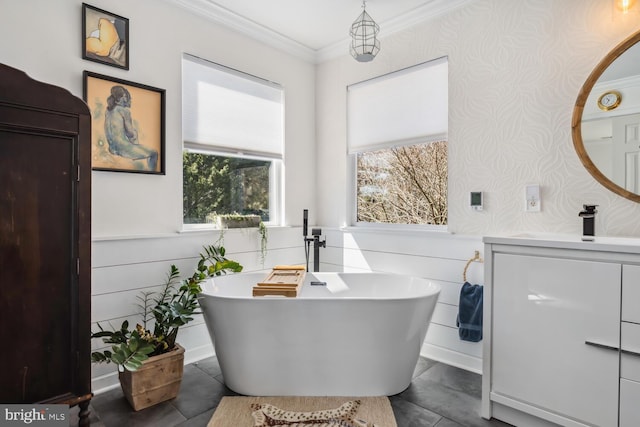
point(360, 335)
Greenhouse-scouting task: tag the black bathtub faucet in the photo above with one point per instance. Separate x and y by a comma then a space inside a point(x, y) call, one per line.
point(588, 214)
point(317, 243)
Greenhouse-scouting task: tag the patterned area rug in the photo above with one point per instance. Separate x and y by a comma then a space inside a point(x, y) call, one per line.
point(240, 411)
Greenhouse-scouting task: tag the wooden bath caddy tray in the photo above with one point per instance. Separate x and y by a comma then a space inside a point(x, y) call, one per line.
point(284, 280)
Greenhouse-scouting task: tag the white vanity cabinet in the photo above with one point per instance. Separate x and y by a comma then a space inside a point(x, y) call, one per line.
point(562, 332)
point(630, 348)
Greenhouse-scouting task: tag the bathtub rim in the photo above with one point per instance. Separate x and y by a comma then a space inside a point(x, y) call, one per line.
point(434, 289)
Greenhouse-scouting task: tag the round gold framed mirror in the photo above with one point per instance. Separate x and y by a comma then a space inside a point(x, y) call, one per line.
point(606, 120)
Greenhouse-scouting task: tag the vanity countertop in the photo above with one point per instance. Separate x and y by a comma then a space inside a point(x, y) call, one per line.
point(568, 241)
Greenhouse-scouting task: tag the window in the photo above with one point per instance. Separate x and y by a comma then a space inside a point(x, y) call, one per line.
point(233, 129)
point(397, 137)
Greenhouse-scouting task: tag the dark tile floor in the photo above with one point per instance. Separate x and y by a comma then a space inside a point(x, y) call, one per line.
point(439, 396)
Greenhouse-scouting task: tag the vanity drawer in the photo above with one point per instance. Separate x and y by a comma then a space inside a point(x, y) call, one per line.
point(630, 335)
point(630, 363)
point(631, 293)
point(629, 398)
point(630, 367)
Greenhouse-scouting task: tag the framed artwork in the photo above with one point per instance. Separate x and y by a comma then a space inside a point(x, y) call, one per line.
point(127, 125)
point(105, 37)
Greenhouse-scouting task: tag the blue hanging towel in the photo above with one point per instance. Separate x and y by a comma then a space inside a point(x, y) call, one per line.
point(469, 319)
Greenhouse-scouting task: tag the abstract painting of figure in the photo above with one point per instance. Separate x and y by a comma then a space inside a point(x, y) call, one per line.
point(105, 37)
point(127, 124)
point(121, 134)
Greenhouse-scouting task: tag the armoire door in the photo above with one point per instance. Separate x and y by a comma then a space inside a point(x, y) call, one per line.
point(38, 264)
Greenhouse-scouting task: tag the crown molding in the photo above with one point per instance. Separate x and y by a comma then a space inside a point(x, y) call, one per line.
point(240, 24)
point(256, 31)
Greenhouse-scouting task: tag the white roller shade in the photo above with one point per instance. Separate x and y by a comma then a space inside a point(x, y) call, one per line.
point(231, 111)
point(404, 107)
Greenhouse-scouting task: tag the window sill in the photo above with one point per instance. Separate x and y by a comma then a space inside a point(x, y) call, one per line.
point(397, 229)
point(201, 228)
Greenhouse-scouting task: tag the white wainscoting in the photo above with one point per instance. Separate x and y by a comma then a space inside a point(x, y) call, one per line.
point(439, 257)
point(124, 267)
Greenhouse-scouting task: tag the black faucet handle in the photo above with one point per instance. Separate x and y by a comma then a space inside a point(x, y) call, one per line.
point(589, 209)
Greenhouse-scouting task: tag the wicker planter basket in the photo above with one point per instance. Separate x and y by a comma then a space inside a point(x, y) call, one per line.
point(157, 380)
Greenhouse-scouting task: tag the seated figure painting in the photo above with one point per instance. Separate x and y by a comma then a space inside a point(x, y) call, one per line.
point(127, 125)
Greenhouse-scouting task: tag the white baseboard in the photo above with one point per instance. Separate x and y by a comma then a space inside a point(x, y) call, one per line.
point(198, 353)
point(453, 358)
point(105, 383)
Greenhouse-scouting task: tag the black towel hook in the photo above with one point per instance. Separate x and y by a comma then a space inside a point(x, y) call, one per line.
point(476, 258)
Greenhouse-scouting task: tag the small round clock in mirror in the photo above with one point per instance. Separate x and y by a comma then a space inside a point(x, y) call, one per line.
point(609, 100)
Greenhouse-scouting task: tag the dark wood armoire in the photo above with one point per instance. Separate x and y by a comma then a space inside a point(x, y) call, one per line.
point(45, 244)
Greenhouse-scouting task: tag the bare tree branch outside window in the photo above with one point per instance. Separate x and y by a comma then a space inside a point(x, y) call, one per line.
point(403, 185)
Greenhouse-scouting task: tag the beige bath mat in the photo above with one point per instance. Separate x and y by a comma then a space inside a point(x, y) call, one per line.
point(244, 411)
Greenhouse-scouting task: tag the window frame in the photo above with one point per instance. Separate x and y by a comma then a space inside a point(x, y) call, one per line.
point(353, 194)
point(276, 173)
point(275, 185)
point(352, 154)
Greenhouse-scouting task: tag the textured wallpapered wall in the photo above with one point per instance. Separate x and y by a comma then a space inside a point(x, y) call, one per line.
point(515, 69)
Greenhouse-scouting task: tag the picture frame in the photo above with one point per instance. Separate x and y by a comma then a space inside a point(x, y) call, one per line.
point(127, 124)
point(105, 37)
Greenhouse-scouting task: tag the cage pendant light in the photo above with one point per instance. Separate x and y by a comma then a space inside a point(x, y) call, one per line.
point(364, 42)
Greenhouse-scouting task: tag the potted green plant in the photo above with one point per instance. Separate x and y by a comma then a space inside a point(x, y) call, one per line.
point(143, 351)
point(263, 234)
point(264, 237)
point(236, 220)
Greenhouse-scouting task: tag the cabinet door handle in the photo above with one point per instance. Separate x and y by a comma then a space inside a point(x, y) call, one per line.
point(604, 346)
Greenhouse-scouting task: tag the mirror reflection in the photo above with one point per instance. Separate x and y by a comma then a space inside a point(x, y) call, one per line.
point(606, 125)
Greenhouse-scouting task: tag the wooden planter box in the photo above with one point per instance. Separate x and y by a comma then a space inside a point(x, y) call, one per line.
point(157, 380)
point(241, 222)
